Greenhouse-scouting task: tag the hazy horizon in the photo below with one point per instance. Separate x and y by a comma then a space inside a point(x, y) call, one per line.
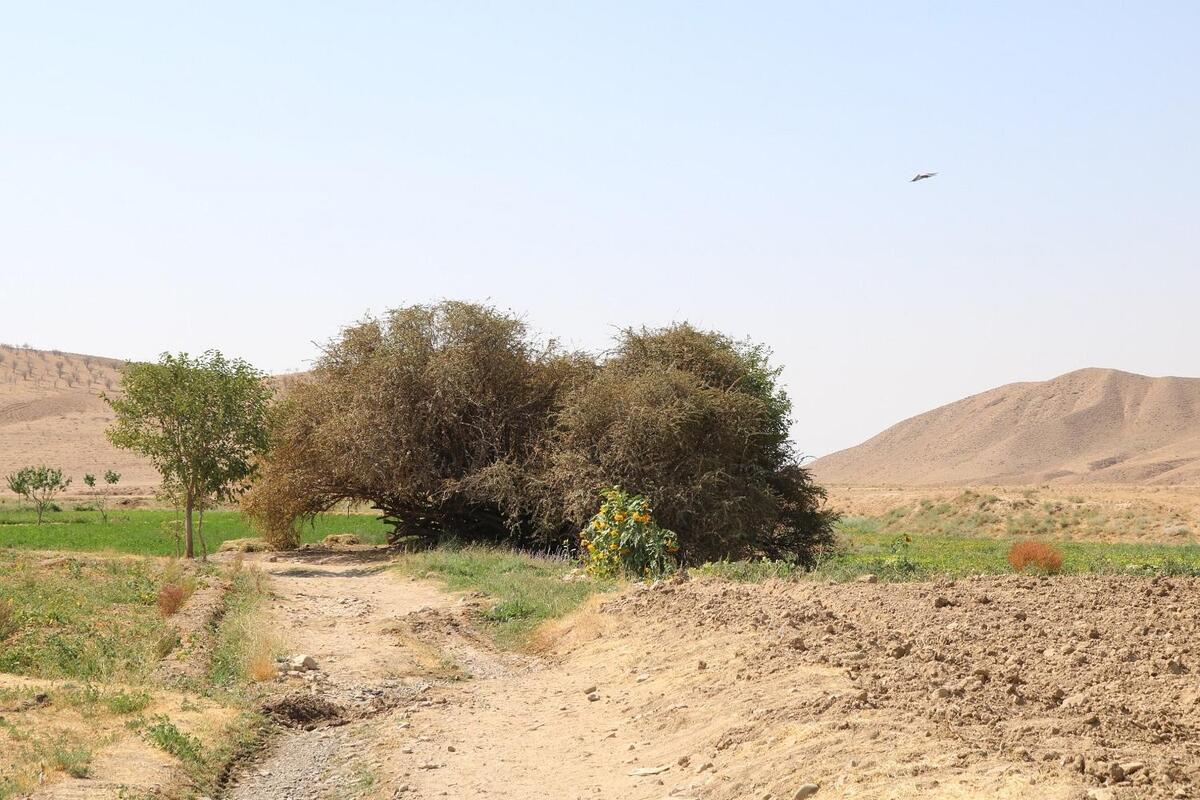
point(253, 179)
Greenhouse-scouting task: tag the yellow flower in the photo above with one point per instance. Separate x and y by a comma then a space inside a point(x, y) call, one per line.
point(619, 516)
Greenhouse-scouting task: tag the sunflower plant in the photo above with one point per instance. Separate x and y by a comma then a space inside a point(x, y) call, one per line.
point(623, 539)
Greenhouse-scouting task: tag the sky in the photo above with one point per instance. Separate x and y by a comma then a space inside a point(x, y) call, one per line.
point(253, 176)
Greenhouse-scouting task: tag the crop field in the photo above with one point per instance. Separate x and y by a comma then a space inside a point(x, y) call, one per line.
point(152, 531)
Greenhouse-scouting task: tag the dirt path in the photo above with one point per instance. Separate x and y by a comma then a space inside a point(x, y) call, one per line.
point(354, 617)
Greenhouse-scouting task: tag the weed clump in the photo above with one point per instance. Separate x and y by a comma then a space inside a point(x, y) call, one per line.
point(1040, 556)
point(171, 598)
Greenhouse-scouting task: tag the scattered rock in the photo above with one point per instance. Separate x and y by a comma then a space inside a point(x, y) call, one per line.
point(868, 578)
point(594, 696)
point(807, 790)
point(302, 662)
point(942, 602)
point(341, 540)
point(642, 772)
point(247, 545)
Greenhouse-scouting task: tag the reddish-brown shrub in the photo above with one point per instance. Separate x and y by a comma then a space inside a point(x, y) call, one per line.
point(171, 598)
point(1042, 557)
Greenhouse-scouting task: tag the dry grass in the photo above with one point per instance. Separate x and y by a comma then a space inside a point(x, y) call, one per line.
point(563, 634)
point(246, 642)
point(1042, 557)
point(260, 658)
point(9, 624)
point(1170, 515)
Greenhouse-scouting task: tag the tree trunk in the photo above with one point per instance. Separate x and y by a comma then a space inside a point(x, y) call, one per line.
point(188, 550)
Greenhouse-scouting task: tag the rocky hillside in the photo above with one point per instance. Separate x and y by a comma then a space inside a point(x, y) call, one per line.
point(1088, 426)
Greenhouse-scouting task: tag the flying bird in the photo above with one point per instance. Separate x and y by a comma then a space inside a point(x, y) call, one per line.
point(922, 176)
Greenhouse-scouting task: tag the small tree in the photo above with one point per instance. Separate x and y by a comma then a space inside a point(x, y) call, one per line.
point(111, 479)
point(202, 422)
point(38, 485)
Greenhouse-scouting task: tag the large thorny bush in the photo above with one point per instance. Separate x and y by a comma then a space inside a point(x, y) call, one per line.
point(453, 422)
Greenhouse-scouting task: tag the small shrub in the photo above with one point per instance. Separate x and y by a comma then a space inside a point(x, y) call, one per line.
point(163, 733)
point(171, 598)
point(167, 643)
point(748, 571)
point(624, 539)
point(1042, 557)
point(127, 702)
point(75, 761)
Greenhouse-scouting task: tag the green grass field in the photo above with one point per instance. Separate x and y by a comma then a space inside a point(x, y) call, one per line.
point(145, 531)
point(865, 548)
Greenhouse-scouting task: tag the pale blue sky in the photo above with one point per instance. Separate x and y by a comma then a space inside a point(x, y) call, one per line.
point(251, 176)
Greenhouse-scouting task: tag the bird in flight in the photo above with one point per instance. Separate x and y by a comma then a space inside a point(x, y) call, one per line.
point(920, 176)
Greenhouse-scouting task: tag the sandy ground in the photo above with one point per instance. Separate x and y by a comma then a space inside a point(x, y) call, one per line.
point(998, 687)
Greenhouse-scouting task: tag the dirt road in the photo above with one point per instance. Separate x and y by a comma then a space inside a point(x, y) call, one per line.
point(999, 688)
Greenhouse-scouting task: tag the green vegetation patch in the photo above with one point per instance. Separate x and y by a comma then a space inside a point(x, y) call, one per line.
point(525, 590)
point(83, 619)
point(870, 546)
point(867, 548)
point(148, 531)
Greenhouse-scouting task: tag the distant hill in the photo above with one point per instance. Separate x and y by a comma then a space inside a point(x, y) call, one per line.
point(51, 413)
point(1088, 426)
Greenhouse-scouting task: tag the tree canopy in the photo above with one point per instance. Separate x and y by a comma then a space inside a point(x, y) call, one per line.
point(201, 421)
point(38, 485)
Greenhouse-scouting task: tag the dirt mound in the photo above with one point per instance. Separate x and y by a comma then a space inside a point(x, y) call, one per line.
point(304, 710)
point(1088, 426)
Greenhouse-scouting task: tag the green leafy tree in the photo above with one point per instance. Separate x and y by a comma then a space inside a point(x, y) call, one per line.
point(38, 485)
point(201, 421)
point(111, 478)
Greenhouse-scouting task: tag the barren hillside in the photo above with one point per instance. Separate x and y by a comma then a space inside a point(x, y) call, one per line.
point(1088, 426)
point(51, 412)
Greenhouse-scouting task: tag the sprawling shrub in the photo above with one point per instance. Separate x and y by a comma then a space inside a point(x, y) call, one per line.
point(695, 421)
point(432, 414)
point(1038, 556)
point(452, 421)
